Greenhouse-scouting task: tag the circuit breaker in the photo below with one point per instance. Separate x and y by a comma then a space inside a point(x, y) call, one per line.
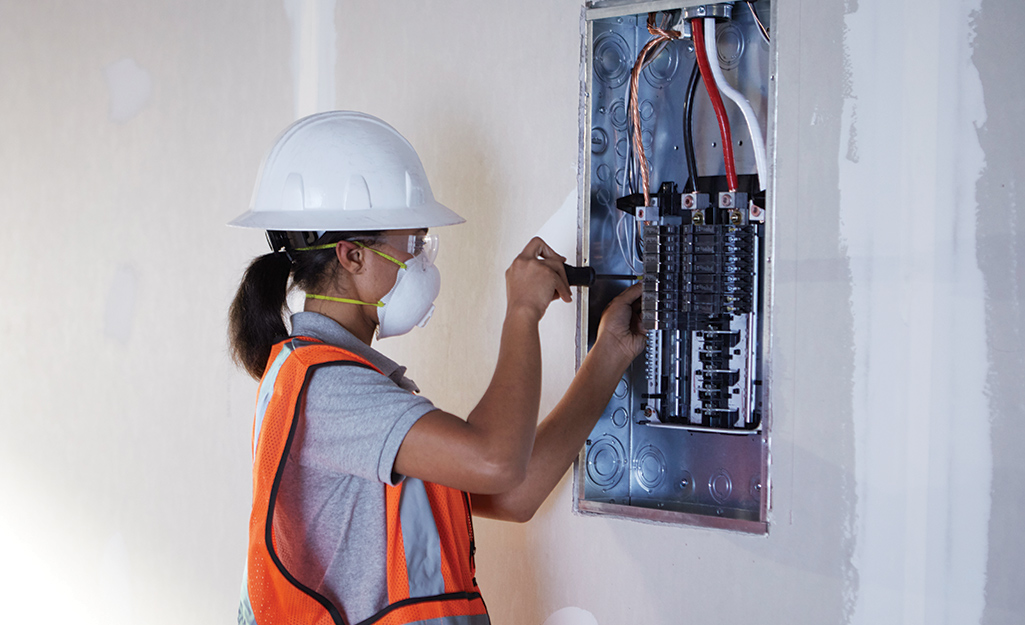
point(675, 193)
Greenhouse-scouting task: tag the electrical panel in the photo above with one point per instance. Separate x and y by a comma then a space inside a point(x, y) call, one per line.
point(675, 194)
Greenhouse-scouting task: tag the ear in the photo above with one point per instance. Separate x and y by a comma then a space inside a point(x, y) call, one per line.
point(351, 257)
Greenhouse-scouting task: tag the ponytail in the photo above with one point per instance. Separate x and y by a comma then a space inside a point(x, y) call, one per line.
point(256, 317)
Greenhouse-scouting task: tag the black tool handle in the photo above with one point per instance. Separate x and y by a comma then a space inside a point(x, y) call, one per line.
point(580, 276)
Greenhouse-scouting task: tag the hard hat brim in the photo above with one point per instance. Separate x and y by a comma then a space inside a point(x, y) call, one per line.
point(431, 215)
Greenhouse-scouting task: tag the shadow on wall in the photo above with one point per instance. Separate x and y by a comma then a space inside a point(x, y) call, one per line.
point(805, 535)
point(1000, 246)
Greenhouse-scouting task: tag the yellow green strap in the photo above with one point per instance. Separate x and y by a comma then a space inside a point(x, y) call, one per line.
point(328, 246)
point(342, 300)
point(394, 260)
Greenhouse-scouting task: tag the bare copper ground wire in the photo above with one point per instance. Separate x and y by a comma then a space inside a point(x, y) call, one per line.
point(659, 36)
point(758, 20)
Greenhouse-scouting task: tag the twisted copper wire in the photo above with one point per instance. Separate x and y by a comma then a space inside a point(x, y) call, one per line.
point(659, 36)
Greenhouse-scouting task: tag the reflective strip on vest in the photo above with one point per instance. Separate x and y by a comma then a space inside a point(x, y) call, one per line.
point(470, 619)
point(423, 566)
point(267, 391)
point(245, 607)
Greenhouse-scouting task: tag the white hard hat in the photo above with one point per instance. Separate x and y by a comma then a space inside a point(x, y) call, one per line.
point(343, 170)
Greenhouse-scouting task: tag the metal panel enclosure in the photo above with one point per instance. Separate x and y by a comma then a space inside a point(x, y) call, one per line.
point(685, 436)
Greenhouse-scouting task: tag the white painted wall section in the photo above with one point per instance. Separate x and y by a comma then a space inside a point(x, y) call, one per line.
point(314, 50)
point(909, 160)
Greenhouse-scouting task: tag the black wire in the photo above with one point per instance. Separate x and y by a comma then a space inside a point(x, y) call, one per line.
point(688, 132)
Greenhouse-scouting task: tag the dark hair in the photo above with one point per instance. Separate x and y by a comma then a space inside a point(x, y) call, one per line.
point(256, 319)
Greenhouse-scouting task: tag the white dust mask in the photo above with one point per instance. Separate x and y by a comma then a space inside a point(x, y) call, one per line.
point(411, 301)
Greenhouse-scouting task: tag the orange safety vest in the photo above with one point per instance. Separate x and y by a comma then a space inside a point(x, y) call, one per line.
point(429, 529)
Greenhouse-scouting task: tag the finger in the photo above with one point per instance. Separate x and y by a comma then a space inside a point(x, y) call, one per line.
point(631, 294)
point(554, 261)
point(547, 253)
point(628, 302)
point(562, 282)
point(534, 249)
point(633, 291)
point(540, 249)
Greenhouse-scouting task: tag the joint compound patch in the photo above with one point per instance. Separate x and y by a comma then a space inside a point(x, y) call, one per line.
point(314, 53)
point(119, 316)
point(130, 88)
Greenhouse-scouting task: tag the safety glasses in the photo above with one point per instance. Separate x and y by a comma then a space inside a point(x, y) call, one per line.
point(415, 244)
point(425, 245)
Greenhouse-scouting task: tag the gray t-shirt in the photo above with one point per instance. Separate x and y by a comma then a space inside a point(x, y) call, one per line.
point(330, 514)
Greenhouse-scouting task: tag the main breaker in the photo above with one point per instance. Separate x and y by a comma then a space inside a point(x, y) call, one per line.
point(676, 101)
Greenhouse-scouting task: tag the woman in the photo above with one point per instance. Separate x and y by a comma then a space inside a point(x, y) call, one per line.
point(360, 506)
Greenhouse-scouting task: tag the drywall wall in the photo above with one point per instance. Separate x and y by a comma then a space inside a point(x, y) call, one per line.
point(129, 134)
point(132, 133)
point(922, 431)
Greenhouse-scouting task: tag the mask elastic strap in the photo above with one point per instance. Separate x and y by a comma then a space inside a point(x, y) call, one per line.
point(366, 247)
point(343, 300)
point(380, 253)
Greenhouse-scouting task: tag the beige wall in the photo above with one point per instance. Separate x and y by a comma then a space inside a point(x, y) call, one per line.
point(130, 132)
point(122, 463)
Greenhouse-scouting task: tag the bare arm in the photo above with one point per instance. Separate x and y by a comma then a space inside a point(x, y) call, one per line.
point(490, 450)
point(563, 432)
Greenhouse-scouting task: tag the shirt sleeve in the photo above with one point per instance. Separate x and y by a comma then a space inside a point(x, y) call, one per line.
point(354, 421)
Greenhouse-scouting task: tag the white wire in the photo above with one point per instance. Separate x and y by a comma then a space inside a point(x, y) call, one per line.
point(727, 90)
point(619, 238)
point(628, 256)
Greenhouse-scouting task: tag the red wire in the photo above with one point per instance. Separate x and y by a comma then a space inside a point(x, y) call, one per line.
point(698, 30)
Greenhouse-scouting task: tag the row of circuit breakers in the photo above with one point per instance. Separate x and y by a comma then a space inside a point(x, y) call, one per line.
point(675, 194)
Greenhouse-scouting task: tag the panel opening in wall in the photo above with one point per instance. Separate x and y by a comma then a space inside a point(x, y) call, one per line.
point(685, 437)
